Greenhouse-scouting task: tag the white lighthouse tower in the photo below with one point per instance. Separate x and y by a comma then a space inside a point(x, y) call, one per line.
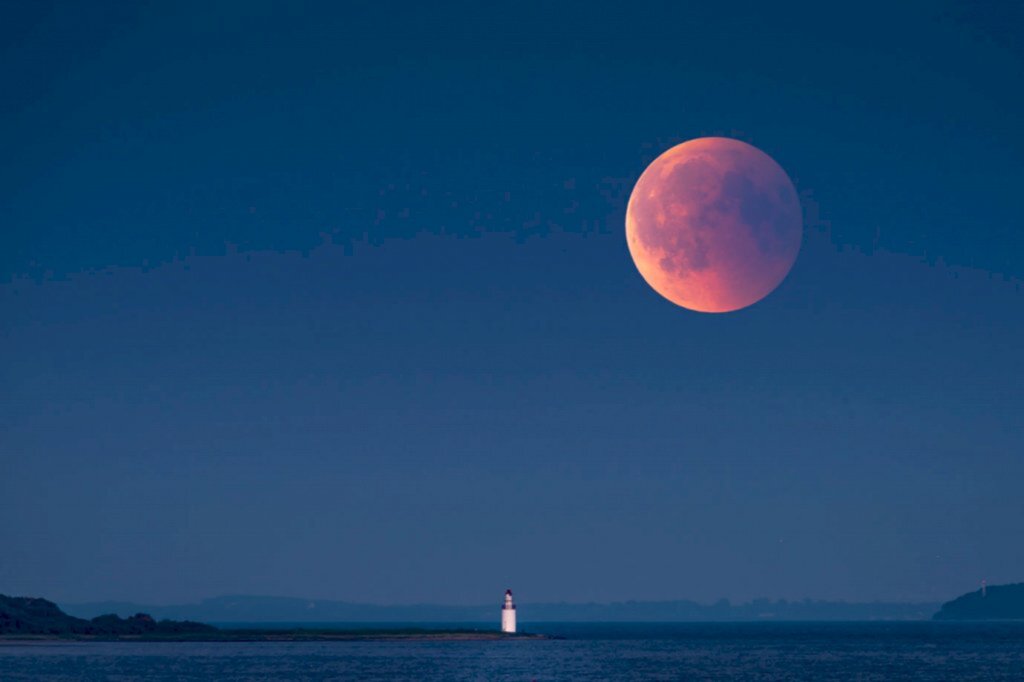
point(508, 614)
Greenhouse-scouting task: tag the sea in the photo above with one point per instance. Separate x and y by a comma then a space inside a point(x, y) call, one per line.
point(575, 651)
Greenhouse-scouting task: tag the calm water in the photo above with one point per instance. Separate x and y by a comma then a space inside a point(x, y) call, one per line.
point(751, 651)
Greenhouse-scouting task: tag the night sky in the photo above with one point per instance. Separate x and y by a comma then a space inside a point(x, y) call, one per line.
point(334, 300)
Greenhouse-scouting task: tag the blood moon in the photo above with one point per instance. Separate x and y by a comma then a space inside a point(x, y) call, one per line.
point(714, 224)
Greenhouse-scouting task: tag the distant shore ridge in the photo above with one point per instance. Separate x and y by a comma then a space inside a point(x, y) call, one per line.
point(37, 616)
point(29, 618)
point(262, 609)
point(996, 602)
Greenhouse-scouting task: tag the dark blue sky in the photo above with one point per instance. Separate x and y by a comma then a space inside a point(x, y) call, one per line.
point(333, 300)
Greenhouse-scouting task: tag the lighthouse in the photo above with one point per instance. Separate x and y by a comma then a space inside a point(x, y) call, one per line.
point(508, 614)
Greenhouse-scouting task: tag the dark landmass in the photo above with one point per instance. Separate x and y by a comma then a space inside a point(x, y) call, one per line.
point(257, 609)
point(34, 618)
point(998, 602)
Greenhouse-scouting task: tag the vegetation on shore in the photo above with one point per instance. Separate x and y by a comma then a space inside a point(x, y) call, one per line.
point(36, 616)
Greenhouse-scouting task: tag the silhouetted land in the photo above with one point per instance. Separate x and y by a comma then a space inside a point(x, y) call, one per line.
point(999, 602)
point(262, 609)
point(35, 618)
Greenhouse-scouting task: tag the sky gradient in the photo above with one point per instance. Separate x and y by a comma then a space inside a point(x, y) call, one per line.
point(335, 301)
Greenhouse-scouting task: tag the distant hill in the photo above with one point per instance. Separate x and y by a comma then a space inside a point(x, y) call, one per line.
point(35, 616)
point(258, 609)
point(262, 609)
point(999, 602)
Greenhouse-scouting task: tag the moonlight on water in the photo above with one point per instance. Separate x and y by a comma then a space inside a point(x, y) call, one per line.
point(714, 224)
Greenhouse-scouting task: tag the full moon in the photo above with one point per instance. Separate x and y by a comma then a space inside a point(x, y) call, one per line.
point(714, 224)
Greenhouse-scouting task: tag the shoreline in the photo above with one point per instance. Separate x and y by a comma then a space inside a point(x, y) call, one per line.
point(282, 636)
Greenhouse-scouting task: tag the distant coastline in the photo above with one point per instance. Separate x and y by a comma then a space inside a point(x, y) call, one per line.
point(296, 635)
point(270, 618)
point(34, 618)
point(250, 609)
point(997, 602)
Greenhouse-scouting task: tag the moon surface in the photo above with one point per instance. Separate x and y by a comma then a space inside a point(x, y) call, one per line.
point(714, 224)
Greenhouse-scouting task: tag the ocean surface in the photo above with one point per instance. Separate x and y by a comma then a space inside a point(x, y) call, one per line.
point(592, 651)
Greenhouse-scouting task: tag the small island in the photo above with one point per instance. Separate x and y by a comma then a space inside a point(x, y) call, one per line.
point(998, 602)
point(27, 618)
